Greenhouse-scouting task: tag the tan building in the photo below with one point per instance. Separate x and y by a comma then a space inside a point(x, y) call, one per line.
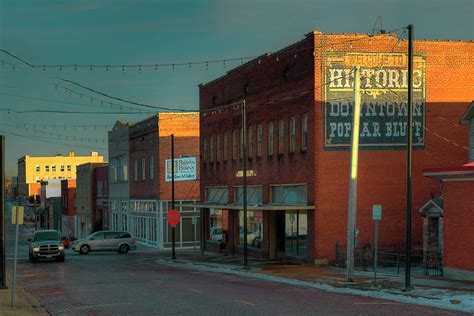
point(32, 170)
point(85, 202)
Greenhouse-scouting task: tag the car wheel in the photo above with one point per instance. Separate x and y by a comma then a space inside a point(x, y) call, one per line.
point(61, 259)
point(84, 250)
point(123, 249)
point(33, 260)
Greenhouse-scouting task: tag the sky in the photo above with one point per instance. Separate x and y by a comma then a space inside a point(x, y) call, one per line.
point(138, 32)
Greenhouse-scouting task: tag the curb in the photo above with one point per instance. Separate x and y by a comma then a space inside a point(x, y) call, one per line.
point(382, 294)
point(26, 304)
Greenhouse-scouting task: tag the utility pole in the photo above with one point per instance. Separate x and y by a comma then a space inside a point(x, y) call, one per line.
point(244, 169)
point(352, 209)
point(2, 213)
point(34, 210)
point(409, 158)
point(173, 229)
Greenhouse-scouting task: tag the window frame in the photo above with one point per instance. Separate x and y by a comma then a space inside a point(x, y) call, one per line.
point(135, 170)
point(304, 131)
point(152, 167)
point(206, 150)
point(218, 147)
point(281, 137)
point(234, 144)
point(212, 148)
point(225, 146)
point(250, 142)
point(271, 138)
point(259, 140)
point(292, 135)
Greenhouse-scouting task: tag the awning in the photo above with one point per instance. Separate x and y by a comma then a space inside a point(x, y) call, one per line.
point(445, 173)
point(266, 207)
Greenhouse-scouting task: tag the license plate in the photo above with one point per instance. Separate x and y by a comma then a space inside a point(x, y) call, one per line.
point(49, 257)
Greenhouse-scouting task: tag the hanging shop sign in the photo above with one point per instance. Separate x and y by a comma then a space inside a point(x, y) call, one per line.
point(384, 95)
point(184, 169)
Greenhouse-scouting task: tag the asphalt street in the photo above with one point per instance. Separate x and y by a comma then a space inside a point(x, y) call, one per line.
point(135, 284)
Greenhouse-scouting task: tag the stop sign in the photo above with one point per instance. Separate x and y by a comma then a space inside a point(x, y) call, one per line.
point(174, 216)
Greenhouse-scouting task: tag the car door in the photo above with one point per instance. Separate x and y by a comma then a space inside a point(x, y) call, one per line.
point(97, 241)
point(111, 240)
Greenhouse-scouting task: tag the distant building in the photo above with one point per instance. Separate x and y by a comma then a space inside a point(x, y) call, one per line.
point(85, 203)
point(32, 170)
point(49, 211)
point(68, 211)
point(102, 198)
point(119, 182)
point(14, 192)
point(150, 171)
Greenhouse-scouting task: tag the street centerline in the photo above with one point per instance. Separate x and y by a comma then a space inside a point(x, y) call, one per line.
point(244, 302)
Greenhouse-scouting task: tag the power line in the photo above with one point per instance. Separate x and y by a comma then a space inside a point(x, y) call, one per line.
point(9, 110)
point(62, 102)
point(173, 65)
point(121, 99)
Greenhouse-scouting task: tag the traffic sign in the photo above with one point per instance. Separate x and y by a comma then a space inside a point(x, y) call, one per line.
point(174, 216)
point(17, 212)
point(376, 212)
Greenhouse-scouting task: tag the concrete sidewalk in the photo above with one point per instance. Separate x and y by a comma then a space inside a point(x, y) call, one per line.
point(431, 291)
point(26, 304)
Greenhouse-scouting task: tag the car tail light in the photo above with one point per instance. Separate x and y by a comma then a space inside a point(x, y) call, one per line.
point(134, 241)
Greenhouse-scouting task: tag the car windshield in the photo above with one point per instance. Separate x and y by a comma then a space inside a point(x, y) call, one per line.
point(39, 236)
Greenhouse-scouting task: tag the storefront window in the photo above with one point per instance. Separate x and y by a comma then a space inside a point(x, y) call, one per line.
point(296, 233)
point(254, 228)
point(216, 232)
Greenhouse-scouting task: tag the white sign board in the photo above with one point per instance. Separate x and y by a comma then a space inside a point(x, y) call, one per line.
point(184, 169)
point(376, 212)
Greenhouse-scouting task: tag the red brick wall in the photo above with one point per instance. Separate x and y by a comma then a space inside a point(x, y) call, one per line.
point(382, 173)
point(270, 97)
point(185, 128)
point(458, 228)
point(143, 144)
point(68, 191)
point(154, 141)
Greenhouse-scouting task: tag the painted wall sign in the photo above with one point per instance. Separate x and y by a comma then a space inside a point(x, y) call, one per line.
point(184, 169)
point(384, 84)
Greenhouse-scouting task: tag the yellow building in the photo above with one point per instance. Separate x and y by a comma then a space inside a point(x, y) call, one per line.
point(32, 170)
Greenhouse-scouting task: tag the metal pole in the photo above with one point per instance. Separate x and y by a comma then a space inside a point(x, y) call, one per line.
point(15, 259)
point(202, 233)
point(34, 210)
point(244, 169)
point(3, 275)
point(409, 159)
point(351, 216)
point(376, 250)
point(173, 229)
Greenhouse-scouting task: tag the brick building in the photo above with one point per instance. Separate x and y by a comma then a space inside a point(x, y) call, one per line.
point(68, 210)
point(119, 181)
point(299, 103)
point(452, 227)
point(87, 219)
point(150, 185)
point(102, 197)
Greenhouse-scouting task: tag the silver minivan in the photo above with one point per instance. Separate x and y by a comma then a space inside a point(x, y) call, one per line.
point(119, 241)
